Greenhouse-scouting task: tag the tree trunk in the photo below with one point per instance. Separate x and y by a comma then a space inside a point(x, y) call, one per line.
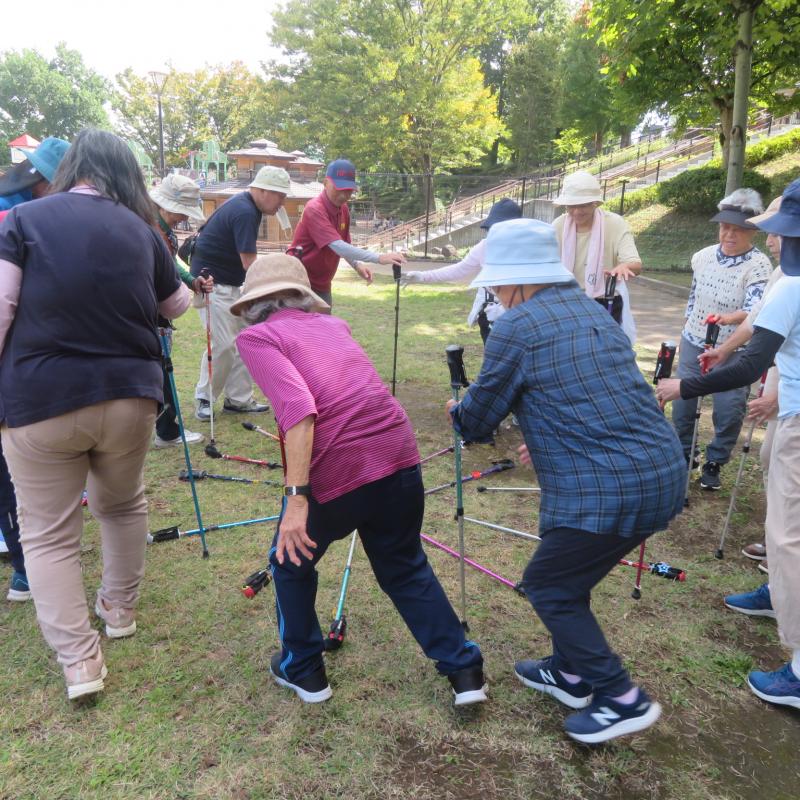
point(625, 138)
point(741, 92)
point(726, 124)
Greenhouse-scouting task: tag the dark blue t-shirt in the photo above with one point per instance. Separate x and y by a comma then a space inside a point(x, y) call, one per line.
point(93, 274)
point(232, 229)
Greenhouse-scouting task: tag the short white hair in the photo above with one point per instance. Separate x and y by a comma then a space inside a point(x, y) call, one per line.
point(745, 200)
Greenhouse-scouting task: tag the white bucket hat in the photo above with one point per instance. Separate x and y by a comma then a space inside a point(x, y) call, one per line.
point(179, 195)
point(272, 179)
point(273, 273)
point(579, 188)
point(521, 251)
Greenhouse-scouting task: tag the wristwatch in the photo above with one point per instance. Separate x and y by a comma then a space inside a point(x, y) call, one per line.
point(292, 491)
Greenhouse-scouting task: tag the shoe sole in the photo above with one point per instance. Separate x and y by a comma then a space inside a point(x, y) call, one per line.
point(90, 687)
point(16, 596)
point(754, 558)
point(202, 419)
point(307, 697)
point(709, 488)
point(244, 410)
point(116, 633)
point(792, 702)
point(623, 728)
point(563, 697)
point(753, 612)
point(470, 697)
point(762, 567)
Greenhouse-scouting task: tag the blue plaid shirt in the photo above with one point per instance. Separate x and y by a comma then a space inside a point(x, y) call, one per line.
point(607, 459)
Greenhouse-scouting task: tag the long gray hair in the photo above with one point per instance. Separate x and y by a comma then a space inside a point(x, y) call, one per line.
point(261, 310)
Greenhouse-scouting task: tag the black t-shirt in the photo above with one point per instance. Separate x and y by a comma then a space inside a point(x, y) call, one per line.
point(93, 274)
point(232, 229)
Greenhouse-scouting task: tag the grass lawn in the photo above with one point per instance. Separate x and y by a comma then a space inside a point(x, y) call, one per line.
point(189, 710)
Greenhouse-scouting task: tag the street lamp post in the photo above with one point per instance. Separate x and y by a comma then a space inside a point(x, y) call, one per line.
point(159, 79)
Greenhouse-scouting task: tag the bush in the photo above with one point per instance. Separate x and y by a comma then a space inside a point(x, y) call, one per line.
point(770, 149)
point(699, 190)
point(639, 198)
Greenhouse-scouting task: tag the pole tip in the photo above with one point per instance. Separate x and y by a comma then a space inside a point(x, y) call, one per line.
point(719, 554)
point(636, 594)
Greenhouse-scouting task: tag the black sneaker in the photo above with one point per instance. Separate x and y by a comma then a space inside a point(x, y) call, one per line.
point(543, 676)
point(469, 686)
point(710, 477)
point(695, 459)
point(313, 688)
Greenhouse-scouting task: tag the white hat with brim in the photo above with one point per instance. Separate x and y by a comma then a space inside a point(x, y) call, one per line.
point(579, 188)
point(275, 273)
point(272, 179)
point(178, 195)
point(519, 252)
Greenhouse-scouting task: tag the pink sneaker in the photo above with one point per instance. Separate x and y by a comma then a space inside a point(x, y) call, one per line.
point(85, 677)
point(120, 622)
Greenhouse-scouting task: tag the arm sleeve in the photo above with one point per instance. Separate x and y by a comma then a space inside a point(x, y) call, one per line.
point(690, 301)
point(244, 228)
point(10, 285)
point(183, 273)
point(277, 377)
point(754, 294)
point(490, 398)
point(351, 253)
point(464, 271)
point(754, 360)
point(165, 275)
point(626, 247)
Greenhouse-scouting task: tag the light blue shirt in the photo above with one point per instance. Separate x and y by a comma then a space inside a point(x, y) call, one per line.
point(781, 314)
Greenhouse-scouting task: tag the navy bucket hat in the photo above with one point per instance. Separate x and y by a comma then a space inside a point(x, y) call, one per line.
point(786, 222)
point(501, 211)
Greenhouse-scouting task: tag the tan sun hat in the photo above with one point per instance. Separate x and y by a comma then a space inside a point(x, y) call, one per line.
point(579, 188)
point(178, 195)
point(772, 209)
point(273, 273)
point(272, 179)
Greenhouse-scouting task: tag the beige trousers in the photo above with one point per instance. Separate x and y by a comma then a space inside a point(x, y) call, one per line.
point(783, 529)
point(102, 447)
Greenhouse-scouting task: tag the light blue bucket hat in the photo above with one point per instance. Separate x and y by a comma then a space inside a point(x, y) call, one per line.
point(521, 251)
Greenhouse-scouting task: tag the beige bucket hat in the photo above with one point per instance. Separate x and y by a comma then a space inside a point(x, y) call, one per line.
point(579, 188)
point(272, 179)
point(273, 273)
point(179, 195)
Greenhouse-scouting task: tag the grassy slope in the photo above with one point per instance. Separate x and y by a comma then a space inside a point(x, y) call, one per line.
point(190, 711)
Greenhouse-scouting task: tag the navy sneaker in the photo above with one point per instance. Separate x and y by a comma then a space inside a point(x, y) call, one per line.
point(755, 604)
point(18, 589)
point(606, 719)
point(313, 688)
point(781, 687)
point(469, 686)
point(544, 676)
point(709, 479)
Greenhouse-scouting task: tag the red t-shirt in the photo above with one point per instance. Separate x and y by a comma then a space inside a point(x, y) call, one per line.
point(322, 223)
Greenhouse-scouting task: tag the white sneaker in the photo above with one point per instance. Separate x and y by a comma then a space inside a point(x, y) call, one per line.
point(191, 438)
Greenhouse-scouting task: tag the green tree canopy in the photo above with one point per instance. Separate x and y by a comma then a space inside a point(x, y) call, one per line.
point(58, 97)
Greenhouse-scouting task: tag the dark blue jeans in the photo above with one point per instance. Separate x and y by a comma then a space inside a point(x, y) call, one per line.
point(558, 581)
point(388, 516)
point(8, 516)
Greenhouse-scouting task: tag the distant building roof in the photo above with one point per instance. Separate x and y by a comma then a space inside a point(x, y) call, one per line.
point(304, 159)
point(297, 190)
point(262, 147)
point(26, 140)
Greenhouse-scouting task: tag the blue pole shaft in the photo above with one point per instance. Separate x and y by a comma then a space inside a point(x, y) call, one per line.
point(168, 358)
point(346, 577)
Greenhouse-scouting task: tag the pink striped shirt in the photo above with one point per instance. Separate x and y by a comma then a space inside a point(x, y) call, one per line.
point(310, 364)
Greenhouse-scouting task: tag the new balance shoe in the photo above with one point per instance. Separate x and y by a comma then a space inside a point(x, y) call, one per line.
point(85, 677)
point(757, 603)
point(18, 589)
point(605, 719)
point(781, 687)
point(202, 410)
point(757, 551)
point(763, 566)
point(469, 686)
point(313, 688)
point(120, 622)
point(545, 677)
point(710, 476)
point(191, 438)
point(250, 407)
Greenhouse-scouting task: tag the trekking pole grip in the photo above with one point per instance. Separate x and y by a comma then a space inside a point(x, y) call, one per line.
point(396, 270)
point(455, 362)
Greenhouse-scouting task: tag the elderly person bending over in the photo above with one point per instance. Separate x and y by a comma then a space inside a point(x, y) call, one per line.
point(607, 460)
point(83, 277)
point(595, 242)
point(728, 282)
point(351, 463)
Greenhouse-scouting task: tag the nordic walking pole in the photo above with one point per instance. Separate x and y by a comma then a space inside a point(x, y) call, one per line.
point(170, 372)
point(720, 551)
point(458, 379)
point(249, 426)
point(210, 356)
point(509, 489)
point(338, 629)
point(173, 532)
point(712, 334)
point(396, 271)
point(497, 466)
point(199, 475)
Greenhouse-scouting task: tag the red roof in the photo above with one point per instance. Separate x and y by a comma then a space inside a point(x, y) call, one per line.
point(24, 141)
